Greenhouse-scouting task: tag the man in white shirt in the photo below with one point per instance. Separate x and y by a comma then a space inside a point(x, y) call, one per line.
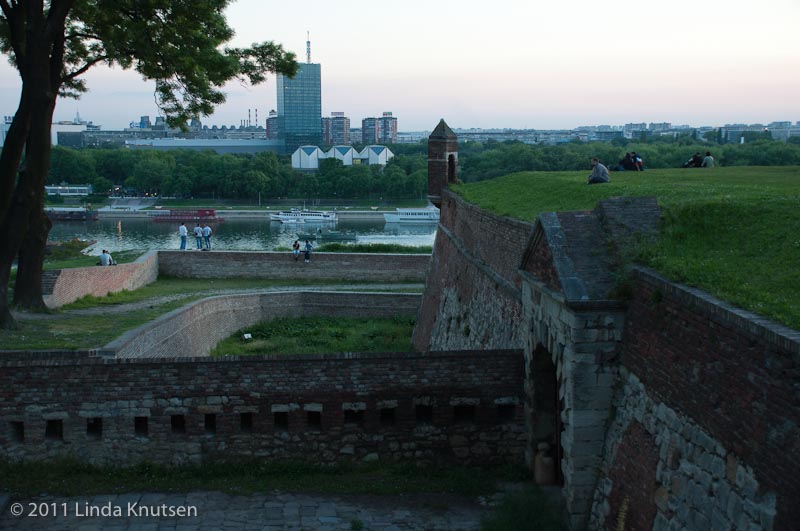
point(182, 232)
point(207, 237)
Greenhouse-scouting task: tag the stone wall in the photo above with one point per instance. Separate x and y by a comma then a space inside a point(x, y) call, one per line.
point(453, 407)
point(193, 330)
point(355, 267)
point(63, 286)
point(714, 391)
point(472, 294)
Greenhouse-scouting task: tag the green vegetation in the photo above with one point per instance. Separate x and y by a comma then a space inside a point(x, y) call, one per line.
point(312, 335)
point(94, 321)
point(70, 478)
point(479, 161)
point(69, 254)
point(524, 510)
point(730, 231)
point(374, 248)
point(188, 174)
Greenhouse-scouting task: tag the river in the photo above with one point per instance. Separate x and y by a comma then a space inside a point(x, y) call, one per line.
point(245, 235)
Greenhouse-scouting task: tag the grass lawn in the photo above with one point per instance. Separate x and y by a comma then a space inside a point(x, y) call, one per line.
point(734, 232)
point(312, 335)
point(70, 478)
point(83, 331)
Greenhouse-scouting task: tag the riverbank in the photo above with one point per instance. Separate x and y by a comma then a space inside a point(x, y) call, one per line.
point(234, 214)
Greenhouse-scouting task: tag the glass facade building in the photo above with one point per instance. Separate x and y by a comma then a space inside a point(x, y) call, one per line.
point(300, 107)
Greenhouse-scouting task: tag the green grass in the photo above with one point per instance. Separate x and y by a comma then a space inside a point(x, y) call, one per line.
point(522, 511)
point(197, 287)
point(79, 331)
point(312, 335)
point(70, 478)
point(734, 232)
point(374, 248)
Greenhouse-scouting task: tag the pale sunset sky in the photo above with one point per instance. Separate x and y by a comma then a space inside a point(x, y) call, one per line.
point(519, 64)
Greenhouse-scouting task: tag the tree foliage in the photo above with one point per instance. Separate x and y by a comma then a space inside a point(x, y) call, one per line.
point(177, 43)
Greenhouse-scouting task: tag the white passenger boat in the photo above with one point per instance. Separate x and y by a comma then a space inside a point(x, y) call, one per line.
point(296, 215)
point(430, 214)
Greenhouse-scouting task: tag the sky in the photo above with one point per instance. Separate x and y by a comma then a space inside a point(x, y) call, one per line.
point(548, 64)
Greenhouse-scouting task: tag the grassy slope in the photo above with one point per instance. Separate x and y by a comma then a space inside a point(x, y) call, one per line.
point(734, 232)
point(311, 335)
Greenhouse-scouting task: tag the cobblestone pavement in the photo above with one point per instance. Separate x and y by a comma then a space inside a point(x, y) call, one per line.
point(268, 512)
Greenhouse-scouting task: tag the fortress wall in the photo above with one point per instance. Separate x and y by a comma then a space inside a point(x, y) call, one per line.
point(706, 433)
point(455, 407)
point(472, 294)
point(195, 329)
point(63, 286)
point(355, 267)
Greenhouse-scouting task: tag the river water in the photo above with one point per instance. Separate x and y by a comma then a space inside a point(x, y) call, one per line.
point(243, 235)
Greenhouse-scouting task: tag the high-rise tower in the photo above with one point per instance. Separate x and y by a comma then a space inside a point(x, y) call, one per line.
point(300, 105)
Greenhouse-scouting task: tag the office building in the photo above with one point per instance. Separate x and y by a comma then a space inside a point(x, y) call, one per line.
point(387, 129)
point(300, 105)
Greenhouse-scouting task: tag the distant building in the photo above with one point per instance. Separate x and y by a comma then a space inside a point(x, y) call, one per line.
point(336, 129)
point(71, 190)
point(272, 125)
point(663, 126)
point(308, 157)
point(300, 107)
point(387, 129)
point(369, 131)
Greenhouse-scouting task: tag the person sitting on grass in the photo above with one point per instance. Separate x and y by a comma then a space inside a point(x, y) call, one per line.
point(599, 173)
point(105, 259)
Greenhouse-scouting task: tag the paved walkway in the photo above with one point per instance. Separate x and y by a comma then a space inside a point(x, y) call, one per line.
point(263, 512)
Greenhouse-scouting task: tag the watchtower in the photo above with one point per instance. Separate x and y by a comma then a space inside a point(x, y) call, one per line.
point(442, 161)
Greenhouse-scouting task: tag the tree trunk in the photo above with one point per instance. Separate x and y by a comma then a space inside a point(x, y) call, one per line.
point(28, 287)
point(14, 229)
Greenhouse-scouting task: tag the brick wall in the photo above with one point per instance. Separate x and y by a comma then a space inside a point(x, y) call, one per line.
point(461, 407)
point(323, 266)
point(717, 389)
point(62, 286)
point(195, 329)
point(472, 297)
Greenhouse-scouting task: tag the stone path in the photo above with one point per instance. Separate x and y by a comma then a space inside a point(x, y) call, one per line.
point(263, 512)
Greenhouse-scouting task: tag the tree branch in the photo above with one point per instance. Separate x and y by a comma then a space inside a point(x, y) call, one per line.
point(84, 68)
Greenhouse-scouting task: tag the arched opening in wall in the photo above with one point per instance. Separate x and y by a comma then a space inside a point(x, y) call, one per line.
point(546, 414)
point(451, 168)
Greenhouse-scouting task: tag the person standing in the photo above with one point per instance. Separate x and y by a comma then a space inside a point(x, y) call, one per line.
point(296, 250)
point(708, 160)
point(308, 251)
point(207, 236)
point(599, 173)
point(198, 236)
point(182, 232)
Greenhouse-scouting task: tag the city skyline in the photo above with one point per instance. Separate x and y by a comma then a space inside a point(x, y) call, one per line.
point(516, 66)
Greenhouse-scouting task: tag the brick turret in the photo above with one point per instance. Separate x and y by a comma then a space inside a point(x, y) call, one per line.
point(442, 161)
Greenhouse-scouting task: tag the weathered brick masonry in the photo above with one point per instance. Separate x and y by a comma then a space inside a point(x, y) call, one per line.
point(672, 403)
point(715, 388)
point(62, 286)
point(461, 407)
point(472, 294)
point(271, 265)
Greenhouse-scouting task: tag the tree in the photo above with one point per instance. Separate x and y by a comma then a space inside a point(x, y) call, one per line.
point(177, 43)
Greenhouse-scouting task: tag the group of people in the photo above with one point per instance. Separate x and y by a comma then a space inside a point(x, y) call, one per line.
point(201, 234)
point(630, 162)
point(307, 250)
point(698, 161)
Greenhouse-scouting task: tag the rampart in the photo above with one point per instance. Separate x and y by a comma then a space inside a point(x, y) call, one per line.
point(193, 330)
point(667, 405)
point(472, 294)
point(436, 407)
point(354, 267)
point(63, 286)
